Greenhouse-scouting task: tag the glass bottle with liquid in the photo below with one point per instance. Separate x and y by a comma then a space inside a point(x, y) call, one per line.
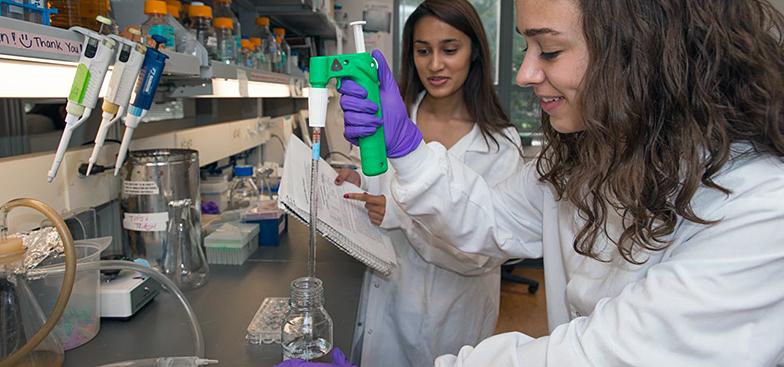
point(200, 23)
point(243, 192)
point(262, 62)
point(306, 332)
point(269, 46)
point(227, 49)
point(247, 57)
point(280, 38)
point(222, 8)
point(156, 23)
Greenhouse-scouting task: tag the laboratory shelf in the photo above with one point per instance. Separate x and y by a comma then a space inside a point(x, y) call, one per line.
point(300, 17)
point(226, 305)
point(34, 55)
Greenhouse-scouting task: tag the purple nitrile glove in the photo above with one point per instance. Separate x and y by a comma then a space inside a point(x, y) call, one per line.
point(338, 360)
point(400, 133)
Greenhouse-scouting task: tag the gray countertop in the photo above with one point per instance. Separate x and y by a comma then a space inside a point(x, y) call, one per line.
point(226, 305)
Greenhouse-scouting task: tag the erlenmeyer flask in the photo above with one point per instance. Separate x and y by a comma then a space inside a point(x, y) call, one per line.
point(182, 258)
point(20, 315)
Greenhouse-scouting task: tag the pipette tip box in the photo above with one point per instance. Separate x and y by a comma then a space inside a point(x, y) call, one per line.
point(231, 243)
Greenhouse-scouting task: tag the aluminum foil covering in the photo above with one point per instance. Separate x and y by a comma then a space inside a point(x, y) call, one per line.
point(39, 244)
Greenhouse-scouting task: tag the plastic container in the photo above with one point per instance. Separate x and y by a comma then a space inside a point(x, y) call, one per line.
point(200, 22)
point(231, 243)
point(222, 9)
point(81, 320)
point(216, 190)
point(78, 13)
point(156, 23)
point(269, 46)
point(227, 49)
point(266, 323)
point(273, 223)
point(285, 50)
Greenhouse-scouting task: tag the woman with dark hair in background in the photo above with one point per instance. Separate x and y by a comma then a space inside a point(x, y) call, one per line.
point(657, 201)
point(437, 298)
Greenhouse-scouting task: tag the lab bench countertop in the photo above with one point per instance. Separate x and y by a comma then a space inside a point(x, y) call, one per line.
point(226, 305)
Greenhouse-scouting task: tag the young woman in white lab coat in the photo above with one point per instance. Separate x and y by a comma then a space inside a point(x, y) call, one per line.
point(658, 199)
point(437, 298)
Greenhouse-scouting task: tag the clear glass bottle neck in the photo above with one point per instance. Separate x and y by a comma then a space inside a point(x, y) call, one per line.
point(306, 292)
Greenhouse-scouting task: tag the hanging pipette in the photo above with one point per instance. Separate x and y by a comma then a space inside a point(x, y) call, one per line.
point(146, 85)
point(97, 54)
point(130, 56)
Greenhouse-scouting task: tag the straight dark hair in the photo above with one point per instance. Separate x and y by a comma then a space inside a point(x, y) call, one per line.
point(478, 92)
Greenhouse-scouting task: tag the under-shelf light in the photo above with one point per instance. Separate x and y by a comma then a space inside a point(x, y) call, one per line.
point(35, 78)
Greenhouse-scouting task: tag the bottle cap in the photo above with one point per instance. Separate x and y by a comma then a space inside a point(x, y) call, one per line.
point(173, 10)
point(243, 171)
point(279, 31)
point(256, 41)
point(263, 21)
point(203, 11)
point(224, 23)
point(245, 43)
point(154, 7)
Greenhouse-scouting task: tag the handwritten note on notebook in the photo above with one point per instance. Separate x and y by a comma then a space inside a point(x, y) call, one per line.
point(343, 222)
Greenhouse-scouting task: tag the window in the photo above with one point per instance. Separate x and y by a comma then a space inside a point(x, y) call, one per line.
point(524, 111)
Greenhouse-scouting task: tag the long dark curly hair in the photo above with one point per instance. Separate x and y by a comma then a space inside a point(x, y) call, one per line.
point(679, 82)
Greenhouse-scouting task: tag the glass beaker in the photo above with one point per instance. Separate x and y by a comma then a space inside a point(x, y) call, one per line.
point(20, 315)
point(307, 330)
point(182, 258)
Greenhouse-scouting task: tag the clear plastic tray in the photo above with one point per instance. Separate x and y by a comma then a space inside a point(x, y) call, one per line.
point(266, 324)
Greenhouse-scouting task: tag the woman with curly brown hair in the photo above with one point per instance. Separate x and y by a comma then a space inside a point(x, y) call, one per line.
point(658, 199)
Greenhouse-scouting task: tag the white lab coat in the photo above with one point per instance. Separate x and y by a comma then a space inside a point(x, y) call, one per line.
point(715, 297)
point(437, 298)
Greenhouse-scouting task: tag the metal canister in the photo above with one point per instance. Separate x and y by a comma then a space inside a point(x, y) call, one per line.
point(155, 185)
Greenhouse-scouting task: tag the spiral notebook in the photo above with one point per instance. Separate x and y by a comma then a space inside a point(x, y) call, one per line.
point(343, 222)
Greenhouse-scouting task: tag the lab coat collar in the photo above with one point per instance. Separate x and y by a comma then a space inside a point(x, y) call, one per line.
point(474, 141)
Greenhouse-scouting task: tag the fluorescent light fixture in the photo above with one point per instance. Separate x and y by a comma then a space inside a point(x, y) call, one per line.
point(268, 90)
point(36, 78)
point(230, 88)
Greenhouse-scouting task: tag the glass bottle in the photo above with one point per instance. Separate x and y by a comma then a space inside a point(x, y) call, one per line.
point(200, 23)
point(223, 9)
point(20, 314)
point(262, 62)
point(247, 57)
point(269, 46)
point(285, 66)
point(227, 50)
point(307, 329)
point(243, 192)
point(182, 259)
point(156, 23)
